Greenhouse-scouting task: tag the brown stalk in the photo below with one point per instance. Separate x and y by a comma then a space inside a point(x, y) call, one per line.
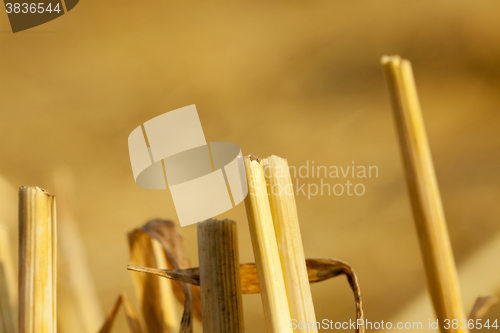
point(220, 277)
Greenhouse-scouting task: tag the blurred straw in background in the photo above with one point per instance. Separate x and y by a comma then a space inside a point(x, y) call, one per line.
point(79, 307)
point(130, 314)
point(477, 273)
point(8, 285)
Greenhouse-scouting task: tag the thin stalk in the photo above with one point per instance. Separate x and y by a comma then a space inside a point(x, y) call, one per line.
point(424, 194)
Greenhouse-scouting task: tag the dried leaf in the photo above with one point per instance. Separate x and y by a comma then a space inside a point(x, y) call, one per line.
point(130, 313)
point(166, 234)
point(482, 306)
point(190, 275)
point(156, 298)
point(318, 270)
point(323, 269)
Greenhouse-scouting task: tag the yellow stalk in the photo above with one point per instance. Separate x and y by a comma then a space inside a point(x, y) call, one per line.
point(267, 259)
point(424, 194)
point(37, 261)
point(287, 229)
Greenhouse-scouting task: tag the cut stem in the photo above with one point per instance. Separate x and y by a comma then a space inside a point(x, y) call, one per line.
point(220, 277)
point(271, 283)
point(37, 261)
point(287, 229)
point(424, 193)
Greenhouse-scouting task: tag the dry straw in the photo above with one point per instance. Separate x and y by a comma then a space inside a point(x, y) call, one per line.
point(424, 193)
point(267, 258)
point(482, 305)
point(287, 230)
point(37, 261)
point(220, 285)
point(218, 274)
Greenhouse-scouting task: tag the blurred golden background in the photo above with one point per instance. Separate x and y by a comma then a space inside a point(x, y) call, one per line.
point(297, 79)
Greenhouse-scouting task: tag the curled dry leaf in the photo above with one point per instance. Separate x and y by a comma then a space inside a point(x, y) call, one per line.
point(323, 269)
point(318, 270)
point(130, 313)
point(155, 295)
point(170, 239)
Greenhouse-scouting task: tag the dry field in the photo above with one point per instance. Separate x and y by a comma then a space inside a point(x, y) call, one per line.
point(297, 79)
